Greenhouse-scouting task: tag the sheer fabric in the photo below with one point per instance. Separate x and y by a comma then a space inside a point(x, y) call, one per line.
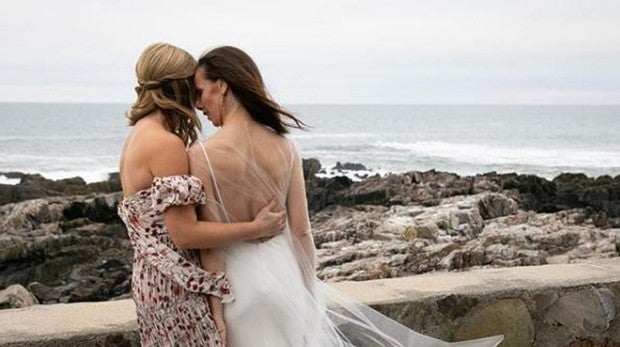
point(279, 301)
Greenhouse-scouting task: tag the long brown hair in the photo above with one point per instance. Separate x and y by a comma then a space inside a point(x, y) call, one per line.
point(165, 76)
point(239, 71)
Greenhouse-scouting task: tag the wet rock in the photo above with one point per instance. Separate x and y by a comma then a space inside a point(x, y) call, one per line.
point(44, 293)
point(349, 166)
point(311, 167)
point(535, 193)
point(599, 194)
point(34, 186)
point(43, 246)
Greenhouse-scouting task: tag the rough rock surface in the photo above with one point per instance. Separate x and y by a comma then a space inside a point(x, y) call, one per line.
point(64, 241)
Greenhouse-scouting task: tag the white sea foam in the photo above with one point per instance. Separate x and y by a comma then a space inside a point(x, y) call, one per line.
point(88, 176)
point(87, 137)
point(494, 155)
point(354, 175)
point(333, 136)
point(6, 180)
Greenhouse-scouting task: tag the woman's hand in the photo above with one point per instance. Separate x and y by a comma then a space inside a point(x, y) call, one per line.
point(217, 310)
point(269, 222)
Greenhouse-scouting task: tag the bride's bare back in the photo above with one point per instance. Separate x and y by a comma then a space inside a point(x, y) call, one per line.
point(251, 165)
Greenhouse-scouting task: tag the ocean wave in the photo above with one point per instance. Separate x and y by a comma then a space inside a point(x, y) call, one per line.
point(29, 138)
point(354, 175)
point(6, 180)
point(86, 175)
point(333, 136)
point(56, 158)
point(495, 155)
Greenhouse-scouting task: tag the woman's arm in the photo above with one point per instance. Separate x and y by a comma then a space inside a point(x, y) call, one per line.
point(187, 232)
point(299, 222)
point(212, 260)
point(170, 158)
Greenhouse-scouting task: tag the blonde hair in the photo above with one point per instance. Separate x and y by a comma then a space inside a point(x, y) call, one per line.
point(165, 76)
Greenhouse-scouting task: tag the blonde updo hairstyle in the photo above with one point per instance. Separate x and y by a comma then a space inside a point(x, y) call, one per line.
point(165, 76)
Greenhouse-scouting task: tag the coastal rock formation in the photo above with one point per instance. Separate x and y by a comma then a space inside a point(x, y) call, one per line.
point(65, 249)
point(33, 186)
point(462, 232)
point(349, 166)
point(63, 241)
point(600, 196)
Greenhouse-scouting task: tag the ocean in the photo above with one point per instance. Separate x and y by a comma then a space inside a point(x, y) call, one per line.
point(67, 140)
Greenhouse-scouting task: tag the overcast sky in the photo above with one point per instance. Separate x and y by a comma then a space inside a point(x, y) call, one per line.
point(469, 51)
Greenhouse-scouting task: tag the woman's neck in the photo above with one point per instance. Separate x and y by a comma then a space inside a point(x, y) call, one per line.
point(155, 118)
point(237, 116)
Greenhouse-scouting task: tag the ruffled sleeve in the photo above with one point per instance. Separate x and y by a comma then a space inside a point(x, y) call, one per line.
point(177, 190)
point(186, 274)
point(171, 191)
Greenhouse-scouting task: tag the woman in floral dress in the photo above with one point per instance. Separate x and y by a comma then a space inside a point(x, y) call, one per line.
point(170, 289)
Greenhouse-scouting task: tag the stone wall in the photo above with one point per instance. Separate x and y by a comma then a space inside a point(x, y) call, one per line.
point(549, 305)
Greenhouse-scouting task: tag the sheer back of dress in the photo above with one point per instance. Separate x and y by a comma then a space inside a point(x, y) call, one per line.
point(246, 165)
point(249, 168)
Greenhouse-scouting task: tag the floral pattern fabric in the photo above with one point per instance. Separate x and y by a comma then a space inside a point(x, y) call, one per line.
point(168, 286)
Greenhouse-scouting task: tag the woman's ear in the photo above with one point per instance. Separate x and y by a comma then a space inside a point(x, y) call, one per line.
point(222, 87)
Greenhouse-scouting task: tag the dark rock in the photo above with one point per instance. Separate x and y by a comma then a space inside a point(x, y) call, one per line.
point(496, 205)
point(111, 264)
point(33, 186)
point(456, 306)
point(103, 208)
point(8, 193)
point(311, 167)
point(534, 191)
point(579, 190)
point(75, 211)
point(123, 288)
point(74, 223)
point(41, 242)
point(43, 292)
point(349, 166)
point(13, 174)
point(111, 185)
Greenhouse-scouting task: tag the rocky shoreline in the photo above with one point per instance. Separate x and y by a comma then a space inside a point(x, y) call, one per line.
point(61, 241)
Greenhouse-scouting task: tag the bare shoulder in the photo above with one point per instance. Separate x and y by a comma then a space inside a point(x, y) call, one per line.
point(165, 152)
point(195, 150)
point(155, 140)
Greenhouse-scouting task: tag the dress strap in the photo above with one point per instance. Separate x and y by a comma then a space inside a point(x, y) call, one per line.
point(215, 187)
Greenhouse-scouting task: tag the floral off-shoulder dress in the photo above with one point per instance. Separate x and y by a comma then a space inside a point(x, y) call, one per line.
point(168, 286)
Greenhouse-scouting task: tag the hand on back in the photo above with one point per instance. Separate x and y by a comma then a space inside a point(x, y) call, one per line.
point(271, 221)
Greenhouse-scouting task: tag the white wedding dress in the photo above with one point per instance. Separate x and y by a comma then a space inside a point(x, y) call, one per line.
point(279, 302)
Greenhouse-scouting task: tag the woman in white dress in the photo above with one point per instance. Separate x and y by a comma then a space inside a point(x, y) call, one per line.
point(278, 299)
